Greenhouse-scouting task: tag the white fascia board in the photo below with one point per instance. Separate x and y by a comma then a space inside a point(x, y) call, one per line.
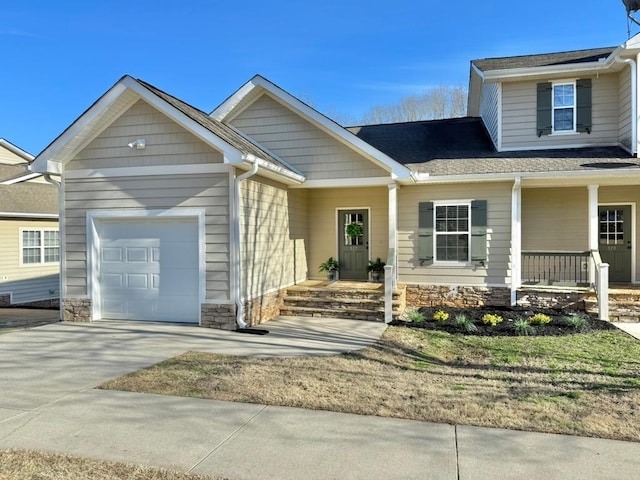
point(23, 178)
point(16, 150)
point(28, 215)
point(330, 127)
point(45, 162)
point(426, 179)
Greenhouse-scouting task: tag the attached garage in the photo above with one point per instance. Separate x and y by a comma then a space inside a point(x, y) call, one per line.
point(148, 269)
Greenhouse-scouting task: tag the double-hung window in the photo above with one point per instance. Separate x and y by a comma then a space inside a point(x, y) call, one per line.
point(39, 246)
point(452, 232)
point(564, 107)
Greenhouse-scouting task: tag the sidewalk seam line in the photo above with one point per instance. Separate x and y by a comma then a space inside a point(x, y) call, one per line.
point(455, 431)
point(229, 437)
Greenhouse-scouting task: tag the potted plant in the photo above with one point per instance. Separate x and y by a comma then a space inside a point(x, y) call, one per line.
point(376, 268)
point(331, 266)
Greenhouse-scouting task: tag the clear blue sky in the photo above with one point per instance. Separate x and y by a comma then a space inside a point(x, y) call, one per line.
point(343, 56)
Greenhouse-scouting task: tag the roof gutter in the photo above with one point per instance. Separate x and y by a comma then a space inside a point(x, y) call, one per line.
point(236, 254)
point(523, 72)
point(634, 100)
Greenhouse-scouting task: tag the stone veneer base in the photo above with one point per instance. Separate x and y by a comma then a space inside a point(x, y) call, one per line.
point(456, 296)
point(76, 310)
point(553, 299)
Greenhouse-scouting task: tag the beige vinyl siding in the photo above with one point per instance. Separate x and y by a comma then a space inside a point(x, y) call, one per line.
point(498, 266)
point(323, 236)
point(9, 158)
point(303, 145)
point(519, 116)
point(28, 283)
point(622, 195)
point(555, 219)
point(273, 233)
point(167, 143)
point(210, 192)
point(489, 109)
point(624, 95)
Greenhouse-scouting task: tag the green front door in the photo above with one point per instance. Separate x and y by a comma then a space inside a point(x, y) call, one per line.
point(615, 246)
point(353, 244)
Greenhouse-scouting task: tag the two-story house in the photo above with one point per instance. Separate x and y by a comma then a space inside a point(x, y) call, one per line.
point(169, 213)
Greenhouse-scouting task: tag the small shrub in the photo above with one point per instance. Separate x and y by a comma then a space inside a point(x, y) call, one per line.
point(414, 316)
point(490, 319)
point(441, 316)
point(539, 319)
point(463, 322)
point(577, 322)
point(523, 327)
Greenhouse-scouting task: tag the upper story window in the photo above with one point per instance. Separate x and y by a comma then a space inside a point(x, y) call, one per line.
point(40, 246)
point(564, 107)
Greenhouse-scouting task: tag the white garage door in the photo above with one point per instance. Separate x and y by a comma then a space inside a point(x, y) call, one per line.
point(149, 270)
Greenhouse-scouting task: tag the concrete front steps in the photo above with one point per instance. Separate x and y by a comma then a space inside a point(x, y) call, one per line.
point(341, 299)
point(624, 305)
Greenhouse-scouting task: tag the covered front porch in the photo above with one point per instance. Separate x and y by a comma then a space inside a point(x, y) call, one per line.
point(577, 237)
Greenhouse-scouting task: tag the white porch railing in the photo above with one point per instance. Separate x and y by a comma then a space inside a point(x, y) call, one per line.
point(389, 285)
point(601, 284)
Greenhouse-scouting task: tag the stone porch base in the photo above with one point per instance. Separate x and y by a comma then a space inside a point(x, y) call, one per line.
point(452, 296)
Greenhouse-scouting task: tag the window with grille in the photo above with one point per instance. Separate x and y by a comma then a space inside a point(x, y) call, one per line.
point(40, 246)
point(452, 233)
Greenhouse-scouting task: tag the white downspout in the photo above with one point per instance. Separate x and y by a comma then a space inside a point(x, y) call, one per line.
point(634, 101)
point(237, 256)
point(61, 236)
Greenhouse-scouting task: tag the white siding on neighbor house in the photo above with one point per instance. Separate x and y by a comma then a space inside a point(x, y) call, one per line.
point(498, 266)
point(519, 116)
point(26, 283)
point(490, 110)
point(624, 101)
point(273, 235)
point(555, 219)
point(314, 152)
point(323, 222)
point(9, 158)
point(167, 143)
point(208, 191)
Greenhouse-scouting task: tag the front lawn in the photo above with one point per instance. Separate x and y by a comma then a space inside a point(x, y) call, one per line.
point(583, 384)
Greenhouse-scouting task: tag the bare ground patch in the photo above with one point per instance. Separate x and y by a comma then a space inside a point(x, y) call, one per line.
point(582, 384)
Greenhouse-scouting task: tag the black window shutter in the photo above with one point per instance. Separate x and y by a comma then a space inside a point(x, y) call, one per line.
point(479, 231)
point(425, 233)
point(543, 126)
point(583, 104)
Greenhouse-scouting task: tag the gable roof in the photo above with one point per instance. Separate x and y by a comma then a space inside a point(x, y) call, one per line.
point(544, 59)
point(27, 199)
point(258, 84)
point(15, 153)
point(235, 147)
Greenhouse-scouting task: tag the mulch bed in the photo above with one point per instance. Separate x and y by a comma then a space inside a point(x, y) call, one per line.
point(557, 326)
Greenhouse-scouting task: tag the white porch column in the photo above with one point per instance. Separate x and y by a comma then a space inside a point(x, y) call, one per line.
point(516, 239)
point(593, 217)
point(393, 227)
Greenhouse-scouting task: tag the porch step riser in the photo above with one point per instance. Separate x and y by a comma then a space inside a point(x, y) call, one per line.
point(624, 312)
point(341, 294)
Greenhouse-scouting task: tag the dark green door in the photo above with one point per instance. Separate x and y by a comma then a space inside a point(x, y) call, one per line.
point(615, 241)
point(353, 244)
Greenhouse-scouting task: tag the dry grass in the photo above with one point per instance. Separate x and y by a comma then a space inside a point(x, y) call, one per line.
point(20, 464)
point(586, 384)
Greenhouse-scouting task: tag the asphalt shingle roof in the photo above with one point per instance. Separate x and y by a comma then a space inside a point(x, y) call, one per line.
point(26, 197)
point(544, 59)
point(461, 146)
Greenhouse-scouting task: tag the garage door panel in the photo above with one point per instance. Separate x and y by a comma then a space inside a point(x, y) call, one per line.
point(149, 270)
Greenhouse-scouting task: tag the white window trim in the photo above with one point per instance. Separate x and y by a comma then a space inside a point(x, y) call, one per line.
point(451, 263)
point(41, 263)
point(553, 107)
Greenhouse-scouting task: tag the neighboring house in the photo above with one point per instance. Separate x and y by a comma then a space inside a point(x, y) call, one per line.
point(29, 242)
point(172, 214)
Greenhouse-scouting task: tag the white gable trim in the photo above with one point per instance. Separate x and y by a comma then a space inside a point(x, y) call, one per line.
point(49, 160)
point(397, 170)
point(16, 150)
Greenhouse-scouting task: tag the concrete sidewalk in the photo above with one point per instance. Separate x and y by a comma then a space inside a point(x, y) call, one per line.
point(632, 329)
point(48, 402)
